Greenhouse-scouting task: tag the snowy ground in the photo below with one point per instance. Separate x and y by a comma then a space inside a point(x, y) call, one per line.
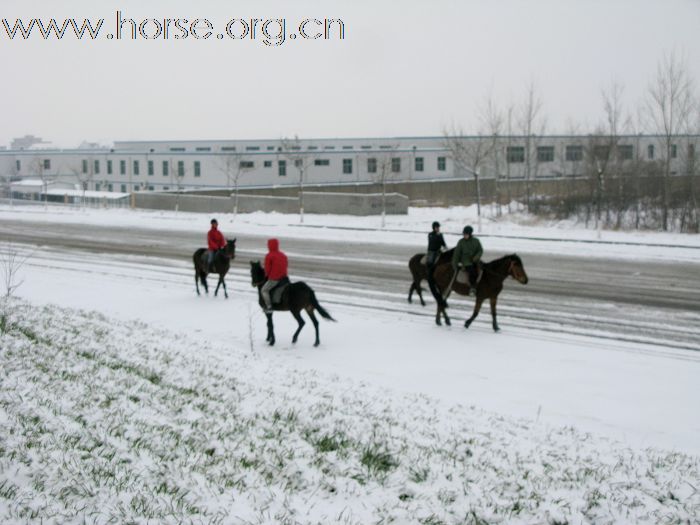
point(532, 396)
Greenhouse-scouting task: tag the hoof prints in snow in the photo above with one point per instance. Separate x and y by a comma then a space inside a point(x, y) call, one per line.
point(107, 421)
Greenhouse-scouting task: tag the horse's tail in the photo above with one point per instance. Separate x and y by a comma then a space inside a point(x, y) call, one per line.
point(320, 308)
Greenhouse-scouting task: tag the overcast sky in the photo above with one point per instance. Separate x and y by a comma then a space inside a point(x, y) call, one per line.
point(404, 68)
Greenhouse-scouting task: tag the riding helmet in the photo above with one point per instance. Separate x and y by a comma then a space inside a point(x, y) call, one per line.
point(214, 221)
point(436, 224)
point(468, 230)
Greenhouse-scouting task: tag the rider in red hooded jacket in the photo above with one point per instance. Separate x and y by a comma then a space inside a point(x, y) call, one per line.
point(275, 270)
point(215, 242)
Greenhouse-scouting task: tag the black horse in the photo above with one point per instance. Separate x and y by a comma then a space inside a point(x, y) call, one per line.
point(295, 298)
point(222, 263)
point(490, 285)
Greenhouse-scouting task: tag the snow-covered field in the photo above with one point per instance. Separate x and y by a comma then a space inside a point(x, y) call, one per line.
point(106, 421)
point(169, 406)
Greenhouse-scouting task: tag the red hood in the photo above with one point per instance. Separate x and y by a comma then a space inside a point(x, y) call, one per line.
point(273, 245)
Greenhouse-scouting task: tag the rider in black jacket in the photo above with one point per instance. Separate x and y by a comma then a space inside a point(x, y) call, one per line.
point(436, 243)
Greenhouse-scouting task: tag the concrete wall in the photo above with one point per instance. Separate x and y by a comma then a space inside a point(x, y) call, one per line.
point(314, 202)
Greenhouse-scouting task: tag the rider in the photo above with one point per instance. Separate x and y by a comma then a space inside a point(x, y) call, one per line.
point(215, 242)
point(436, 244)
point(275, 271)
point(467, 254)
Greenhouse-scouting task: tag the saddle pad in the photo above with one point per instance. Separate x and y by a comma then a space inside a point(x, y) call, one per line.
point(462, 276)
point(277, 292)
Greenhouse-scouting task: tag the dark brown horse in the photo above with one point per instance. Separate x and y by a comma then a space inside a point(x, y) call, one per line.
point(295, 298)
point(419, 271)
point(490, 285)
point(222, 263)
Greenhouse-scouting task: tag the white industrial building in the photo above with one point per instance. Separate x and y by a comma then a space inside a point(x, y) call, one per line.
point(131, 166)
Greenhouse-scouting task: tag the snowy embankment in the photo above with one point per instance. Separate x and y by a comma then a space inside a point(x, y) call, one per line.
point(105, 420)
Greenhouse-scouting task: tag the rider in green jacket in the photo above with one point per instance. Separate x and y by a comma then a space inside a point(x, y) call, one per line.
point(467, 254)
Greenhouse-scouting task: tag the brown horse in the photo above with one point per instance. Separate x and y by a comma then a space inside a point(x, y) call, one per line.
point(222, 263)
point(490, 285)
point(419, 271)
point(295, 298)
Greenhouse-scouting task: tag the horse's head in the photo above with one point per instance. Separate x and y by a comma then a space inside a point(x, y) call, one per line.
point(516, 269)
point(230, 248)
point(257, 274)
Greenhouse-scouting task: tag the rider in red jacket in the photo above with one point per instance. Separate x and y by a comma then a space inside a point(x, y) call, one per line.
point(275, 270)
point(215, 242)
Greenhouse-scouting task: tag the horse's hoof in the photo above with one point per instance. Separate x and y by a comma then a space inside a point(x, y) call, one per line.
point(466, 324)
point(496, 329)
point(437, 322)
point(294, 340)
point(317, 343)
point(447, 322)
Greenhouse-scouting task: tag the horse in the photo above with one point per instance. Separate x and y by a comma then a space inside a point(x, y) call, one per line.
point(490, 285)
point(419, 271)
point(222, 263)
point(295, 298)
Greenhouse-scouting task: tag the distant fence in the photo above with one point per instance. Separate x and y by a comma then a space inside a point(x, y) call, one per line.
point(314, 202)
point(68, 200)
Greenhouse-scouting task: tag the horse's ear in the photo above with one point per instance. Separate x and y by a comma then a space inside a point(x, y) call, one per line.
point(234, 240)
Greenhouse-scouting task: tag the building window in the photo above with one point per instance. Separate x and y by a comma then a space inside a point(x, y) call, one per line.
point(252, 148)
point(322, 162)
point(372, 165)
point(282, 168)
point(110, 187)
point(109, 167)
point(246, 164)
point(295, 148)
point(150, 168)
point(136, 168)
point(574, 153)
point(177, 149)
point(365, 147)
point(395, 165)
point(85, 166)
point(47, 164)
point(180, 168)
point(650, 152)
point(228, 148)
point(312, 148)
point(298, 163)
point(515, 154)
point(674, 151)
point(203, 149)
point(97, 166)
point(18, 165)
point(97, 186)
point(267, 164)
point(270, 148)
point(123, 188)
point(601, 152)
point(441, 164)
point(122, 167)
point(545, 154)
point(347, 147)
point(691, 151)
point(328, 147)
point(197, 169)
point(419, 164)
point(625, 152)
point(384, 146)
point(166, 168)
point(347, 166)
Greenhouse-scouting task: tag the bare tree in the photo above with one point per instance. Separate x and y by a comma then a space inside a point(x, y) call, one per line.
point(386, 166)
point(532, 125)
point(234, 166)
point(468, 155)
point(493, 120)
point(176, 172)
point(301, 160)
point(669, 103)
point(10, 266)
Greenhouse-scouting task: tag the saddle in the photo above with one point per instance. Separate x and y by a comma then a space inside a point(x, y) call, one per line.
point(278, 290)
point(463, 275)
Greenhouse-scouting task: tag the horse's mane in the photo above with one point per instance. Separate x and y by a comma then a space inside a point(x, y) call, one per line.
point(512, 257)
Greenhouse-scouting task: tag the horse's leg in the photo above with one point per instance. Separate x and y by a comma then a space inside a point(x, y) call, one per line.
point(420, 293)
point(196, 281)
point(223, 282)
point(477, 307)
point(438, 313)
point(301, 322)
point(493, 313)
point(218, 283)
point(447, 318)
point(410, 292)
point(310, 311)
point(270, 330)
point(203, 277)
